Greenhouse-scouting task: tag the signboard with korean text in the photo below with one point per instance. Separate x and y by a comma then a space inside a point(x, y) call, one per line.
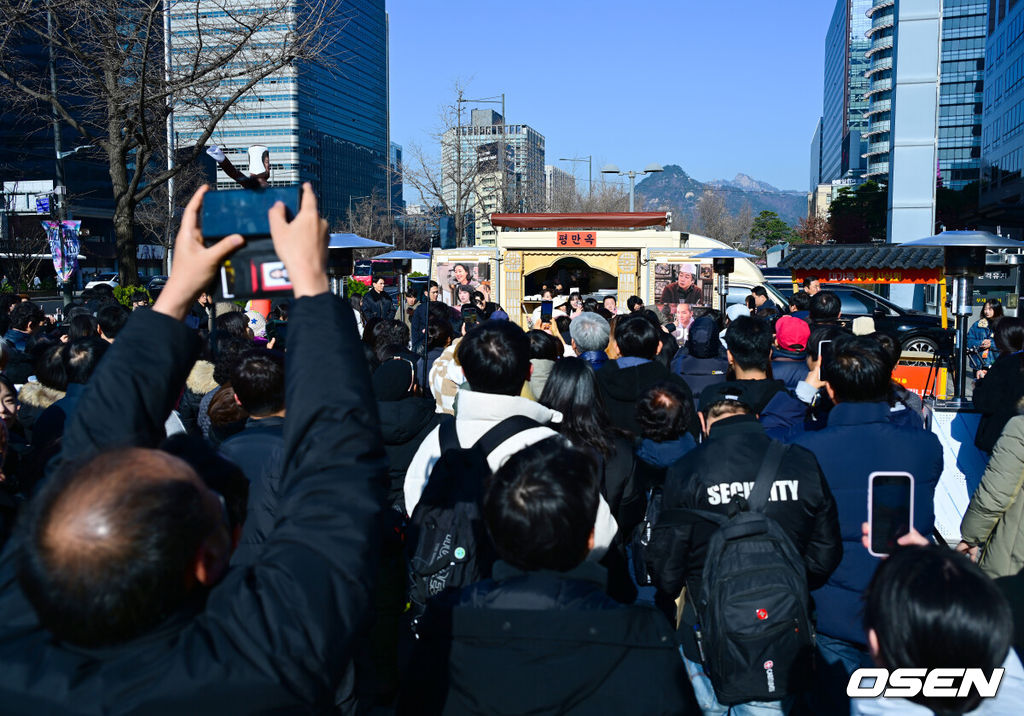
point(873, 275)
point(576, 240)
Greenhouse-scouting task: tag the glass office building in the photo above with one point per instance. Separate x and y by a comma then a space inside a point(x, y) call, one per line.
point(882, 16)
point(815, 164)
point(325, 127)
point(487, 126)
point(1002, 139)
point(960, 90)
point(27, 154)
point(395, 162)
point(845, 102)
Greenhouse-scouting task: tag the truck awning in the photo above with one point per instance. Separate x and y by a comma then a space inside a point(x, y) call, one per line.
point(603, 220)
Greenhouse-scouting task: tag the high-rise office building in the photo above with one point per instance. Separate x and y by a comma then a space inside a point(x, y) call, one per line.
point(28, 154)
point(397, 183)
point(844, 102)
point(328, 128)
point(1002, 150)
point(815, 165)
point(495, 187)
point(879, 93)
point(459, 146)
point(559, 186)
point(960, 90)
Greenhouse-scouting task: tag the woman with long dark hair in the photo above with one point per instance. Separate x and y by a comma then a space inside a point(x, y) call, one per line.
point(572, 390)
point(998, 394)
point(981, 336)
point(575, 304)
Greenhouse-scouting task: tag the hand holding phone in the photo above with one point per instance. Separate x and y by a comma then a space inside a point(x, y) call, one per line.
point(546, 309)
point(258, 269)
point(301, 244)
point(195, 264)
point(890, 510)
point(824, 359)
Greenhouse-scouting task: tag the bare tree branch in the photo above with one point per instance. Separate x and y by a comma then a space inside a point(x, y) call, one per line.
point(112, 89)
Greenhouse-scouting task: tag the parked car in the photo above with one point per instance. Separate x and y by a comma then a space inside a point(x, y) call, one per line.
point(156, 283)
point(739, 290)
point(914, 330)
point(108, 279)
point(781, 279)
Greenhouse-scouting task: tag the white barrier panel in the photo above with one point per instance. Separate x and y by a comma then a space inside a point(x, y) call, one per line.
point(962, 467)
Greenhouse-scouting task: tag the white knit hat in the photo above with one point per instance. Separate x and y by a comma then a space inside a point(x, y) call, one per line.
point(257, 323)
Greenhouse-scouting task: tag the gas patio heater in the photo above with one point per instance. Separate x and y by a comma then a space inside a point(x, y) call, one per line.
point(723, 264)
point(964, 259)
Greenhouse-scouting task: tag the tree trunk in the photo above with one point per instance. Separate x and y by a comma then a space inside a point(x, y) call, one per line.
point(124, 214)
point(125, 240)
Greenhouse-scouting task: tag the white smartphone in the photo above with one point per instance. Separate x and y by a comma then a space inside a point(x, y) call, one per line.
point(890, 510)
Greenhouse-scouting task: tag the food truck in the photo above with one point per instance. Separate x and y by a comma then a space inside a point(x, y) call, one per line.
point(595, 254)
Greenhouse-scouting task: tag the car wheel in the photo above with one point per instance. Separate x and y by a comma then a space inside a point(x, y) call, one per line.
point(920, 344)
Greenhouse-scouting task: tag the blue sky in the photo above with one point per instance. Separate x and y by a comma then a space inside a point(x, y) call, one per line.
point(716, 87)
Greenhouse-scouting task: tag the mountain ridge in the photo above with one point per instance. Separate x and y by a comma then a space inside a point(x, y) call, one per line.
point(675, 189)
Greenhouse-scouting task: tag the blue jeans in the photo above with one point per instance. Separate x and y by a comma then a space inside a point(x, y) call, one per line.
point(708, 703)
point(837, 659)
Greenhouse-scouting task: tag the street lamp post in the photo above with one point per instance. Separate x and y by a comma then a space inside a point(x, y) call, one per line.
point(458, 209)
point(590, 169)
point(651, 168)
point(59, 188)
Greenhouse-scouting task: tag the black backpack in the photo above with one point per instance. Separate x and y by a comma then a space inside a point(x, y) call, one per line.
point(447, 545)
point(652, 481)
point(754, 626)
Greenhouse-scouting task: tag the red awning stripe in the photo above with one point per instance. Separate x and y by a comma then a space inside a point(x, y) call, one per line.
point(610, 220)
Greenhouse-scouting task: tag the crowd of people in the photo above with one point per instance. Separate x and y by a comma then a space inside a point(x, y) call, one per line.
point(363, 507)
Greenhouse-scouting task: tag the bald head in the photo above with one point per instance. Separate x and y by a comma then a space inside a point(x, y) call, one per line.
point(111, 545)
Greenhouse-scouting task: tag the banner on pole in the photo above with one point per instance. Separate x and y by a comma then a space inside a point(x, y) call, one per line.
point(63, 236)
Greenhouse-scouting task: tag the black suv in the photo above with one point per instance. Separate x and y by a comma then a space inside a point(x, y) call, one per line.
point(914, 330)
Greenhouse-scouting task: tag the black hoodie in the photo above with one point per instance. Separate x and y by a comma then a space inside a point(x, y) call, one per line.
point(403, 425)
point(621, 388)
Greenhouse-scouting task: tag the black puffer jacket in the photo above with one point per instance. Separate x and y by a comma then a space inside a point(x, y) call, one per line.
point(622, 387)
point(998, 396)
point(272, 637)
point(712, 476)
point(378, 304)
point(259, 451)
point(404, 424)
point(545, 643)
point(618, 485)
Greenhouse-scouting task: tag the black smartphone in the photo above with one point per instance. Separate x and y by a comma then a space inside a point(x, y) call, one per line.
point(244, 211)
point(546, 309)
point(470, 316)
point(824, 359)
point(254, 270)
point(890, 510)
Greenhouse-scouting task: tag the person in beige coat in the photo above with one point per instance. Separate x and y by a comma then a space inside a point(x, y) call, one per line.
point(993, 526)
